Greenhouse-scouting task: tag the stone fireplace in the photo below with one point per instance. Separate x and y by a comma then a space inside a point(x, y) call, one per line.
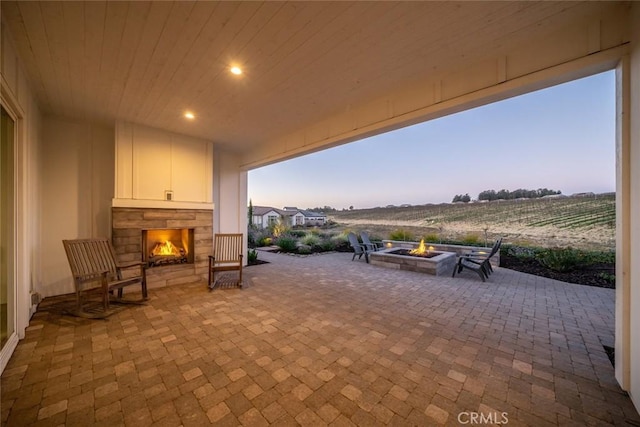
point(175, 242)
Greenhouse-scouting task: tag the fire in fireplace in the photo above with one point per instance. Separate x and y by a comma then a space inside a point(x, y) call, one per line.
point(168, 246)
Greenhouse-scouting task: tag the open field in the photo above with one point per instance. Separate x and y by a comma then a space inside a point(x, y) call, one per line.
point(582, 222)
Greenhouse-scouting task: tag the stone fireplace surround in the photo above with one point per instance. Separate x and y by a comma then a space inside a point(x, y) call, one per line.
point(127, 226)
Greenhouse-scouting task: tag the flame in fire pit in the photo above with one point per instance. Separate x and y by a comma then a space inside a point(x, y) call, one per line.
point(166, 248)
point(421, 249)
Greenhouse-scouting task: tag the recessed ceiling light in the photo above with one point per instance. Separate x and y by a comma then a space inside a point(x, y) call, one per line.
point(189, 115)
point(236, 70)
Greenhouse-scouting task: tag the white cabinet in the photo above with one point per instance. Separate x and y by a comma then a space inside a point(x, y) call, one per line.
point(190, 172)
point(151, 162)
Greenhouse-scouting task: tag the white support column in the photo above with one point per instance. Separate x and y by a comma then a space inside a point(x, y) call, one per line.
point(623, 223)
point(634, 208)
point(229, 195)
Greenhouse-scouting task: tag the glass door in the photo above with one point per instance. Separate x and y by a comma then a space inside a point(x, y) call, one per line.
point(7, 228)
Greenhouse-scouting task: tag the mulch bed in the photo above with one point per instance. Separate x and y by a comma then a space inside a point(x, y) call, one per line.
point(589, 276)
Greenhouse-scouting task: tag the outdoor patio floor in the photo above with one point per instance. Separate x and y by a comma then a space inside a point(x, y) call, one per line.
point(323, 340)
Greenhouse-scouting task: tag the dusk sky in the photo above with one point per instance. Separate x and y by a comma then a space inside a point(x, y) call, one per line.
point(561, 138)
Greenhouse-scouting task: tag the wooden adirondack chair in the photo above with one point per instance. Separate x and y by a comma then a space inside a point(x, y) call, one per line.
point(227, 256)
point(95, 269)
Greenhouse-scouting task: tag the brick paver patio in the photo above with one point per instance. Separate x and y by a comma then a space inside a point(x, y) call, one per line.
point(323, 340)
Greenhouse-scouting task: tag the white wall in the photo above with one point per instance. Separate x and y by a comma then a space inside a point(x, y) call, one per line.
point(18, 97)
point(77, 189)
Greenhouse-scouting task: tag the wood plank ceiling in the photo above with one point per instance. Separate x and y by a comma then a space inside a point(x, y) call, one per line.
point(148, 62)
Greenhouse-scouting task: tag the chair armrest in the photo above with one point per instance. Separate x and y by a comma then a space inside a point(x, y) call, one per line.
point(475, 255)
point(478, 252)
point(131, 264)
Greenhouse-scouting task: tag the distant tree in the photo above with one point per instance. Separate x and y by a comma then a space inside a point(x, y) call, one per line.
point(324, 209)
point(502, 194)
point(351, 207)
point(250, 213)
point(465, 198)
point(516, 194)
point(487, 195)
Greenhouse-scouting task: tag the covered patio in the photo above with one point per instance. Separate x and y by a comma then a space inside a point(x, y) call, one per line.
point(323, 340)
point(124, 117)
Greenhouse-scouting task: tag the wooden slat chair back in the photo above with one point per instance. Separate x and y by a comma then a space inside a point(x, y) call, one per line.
point(95, 268)
point(227, 256)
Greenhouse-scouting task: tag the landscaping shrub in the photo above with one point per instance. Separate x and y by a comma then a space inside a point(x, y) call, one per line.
point(304, 249)
point(258, 238)
point(264, 241)
point(601, 257)
point(520, 252)
point(471, 239)
point(252, 256)
point(330, 224)
point(341, 242)
point(327, 244)
point(297, 233)
point(310, 239)
point(315, 230)
point(562, 259)
point(251, 238)
point(433, 238)
point(402, 235)
point(287, 243)
point(279, 228)
point(610, 278)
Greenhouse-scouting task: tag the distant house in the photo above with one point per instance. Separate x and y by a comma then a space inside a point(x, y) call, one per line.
point(313, 218)
point(264, 216)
